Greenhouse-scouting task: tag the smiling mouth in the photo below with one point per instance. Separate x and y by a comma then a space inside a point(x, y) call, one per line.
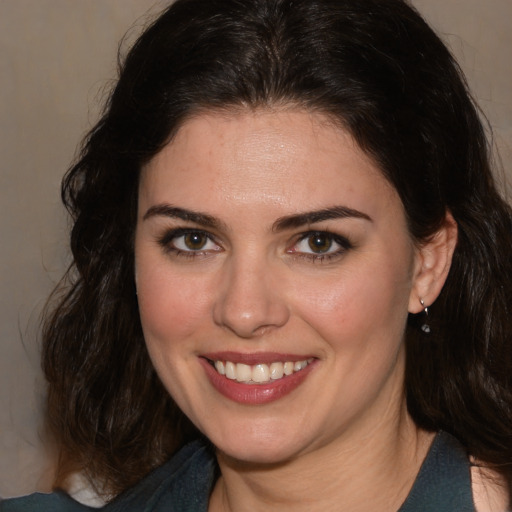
point(258, 373)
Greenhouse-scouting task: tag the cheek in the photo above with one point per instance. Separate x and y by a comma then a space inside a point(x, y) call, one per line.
point(171, 307)
point(358, 305)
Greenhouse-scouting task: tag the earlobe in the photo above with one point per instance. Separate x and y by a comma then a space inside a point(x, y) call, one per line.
point(433, 262)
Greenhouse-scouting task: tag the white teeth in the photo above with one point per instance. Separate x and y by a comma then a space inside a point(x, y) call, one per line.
point(259, 373)
point(288, 368)
point(243, 372)
point(230, 370)
point(276, 371)
point(219, 366)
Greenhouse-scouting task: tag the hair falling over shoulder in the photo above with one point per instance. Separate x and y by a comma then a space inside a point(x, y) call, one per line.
point(375, 67)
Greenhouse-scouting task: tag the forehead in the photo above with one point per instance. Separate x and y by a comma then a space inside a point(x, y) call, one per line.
point(291, 158)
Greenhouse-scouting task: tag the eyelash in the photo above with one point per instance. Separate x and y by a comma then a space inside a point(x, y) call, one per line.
point(166, 242)
point(343, 243)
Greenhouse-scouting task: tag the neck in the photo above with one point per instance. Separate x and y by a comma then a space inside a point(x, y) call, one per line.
point(367, 470)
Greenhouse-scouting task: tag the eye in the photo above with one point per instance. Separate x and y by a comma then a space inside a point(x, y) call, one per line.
point(318, 245)
point(194, 241)
point(188, 242)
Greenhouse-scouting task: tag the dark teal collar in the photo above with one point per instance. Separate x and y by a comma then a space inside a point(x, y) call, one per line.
point(444, 481)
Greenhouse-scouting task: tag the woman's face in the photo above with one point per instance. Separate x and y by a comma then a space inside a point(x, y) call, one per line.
point(274, 272)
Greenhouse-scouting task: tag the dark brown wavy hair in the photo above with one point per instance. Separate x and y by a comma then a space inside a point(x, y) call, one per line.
point(378, 69)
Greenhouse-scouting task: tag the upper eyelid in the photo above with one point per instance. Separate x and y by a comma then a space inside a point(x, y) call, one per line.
point(298, 236)
point(178, 231)
point(186, 228)
point(173, 233)
point(335, 236)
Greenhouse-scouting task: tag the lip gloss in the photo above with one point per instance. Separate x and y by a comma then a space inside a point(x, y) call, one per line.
point(255, 394)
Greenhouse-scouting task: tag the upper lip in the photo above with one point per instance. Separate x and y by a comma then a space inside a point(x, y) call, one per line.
point(255, 357)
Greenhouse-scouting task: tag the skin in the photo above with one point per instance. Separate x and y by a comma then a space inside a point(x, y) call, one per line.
point(344, 434)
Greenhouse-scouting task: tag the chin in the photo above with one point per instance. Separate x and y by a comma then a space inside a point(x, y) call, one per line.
point(259, 456)
point(263, 446)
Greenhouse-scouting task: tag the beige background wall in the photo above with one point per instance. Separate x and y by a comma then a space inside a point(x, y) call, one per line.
point(56, 58)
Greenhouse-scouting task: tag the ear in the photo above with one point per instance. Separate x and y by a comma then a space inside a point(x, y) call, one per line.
point(433, 262)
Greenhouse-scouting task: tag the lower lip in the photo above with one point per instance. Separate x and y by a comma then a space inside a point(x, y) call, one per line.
point(255, 394)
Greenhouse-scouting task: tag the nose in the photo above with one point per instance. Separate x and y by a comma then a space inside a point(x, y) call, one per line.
point(250, 302)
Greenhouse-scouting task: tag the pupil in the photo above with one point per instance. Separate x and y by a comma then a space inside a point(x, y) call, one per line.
point(319, 243)
point(195, 241)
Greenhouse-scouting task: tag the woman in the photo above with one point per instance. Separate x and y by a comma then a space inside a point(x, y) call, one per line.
point(291, 272)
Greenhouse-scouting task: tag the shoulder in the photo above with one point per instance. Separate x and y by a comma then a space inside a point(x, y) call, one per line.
point(490, 490)
point(443, 483)
point(487, 488)
point(183, 483)
point(452, 480)
point(38, 502)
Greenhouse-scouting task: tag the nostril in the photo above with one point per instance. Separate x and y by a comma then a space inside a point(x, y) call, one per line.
point(248, 303)
point(251, 319)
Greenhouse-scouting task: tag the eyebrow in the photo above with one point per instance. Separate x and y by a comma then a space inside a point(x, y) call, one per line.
point(281, 224)
point(167, 210)
point(302, 219)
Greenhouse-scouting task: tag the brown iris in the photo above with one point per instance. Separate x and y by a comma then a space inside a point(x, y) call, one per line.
point(195, 241)
point(320, 242)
